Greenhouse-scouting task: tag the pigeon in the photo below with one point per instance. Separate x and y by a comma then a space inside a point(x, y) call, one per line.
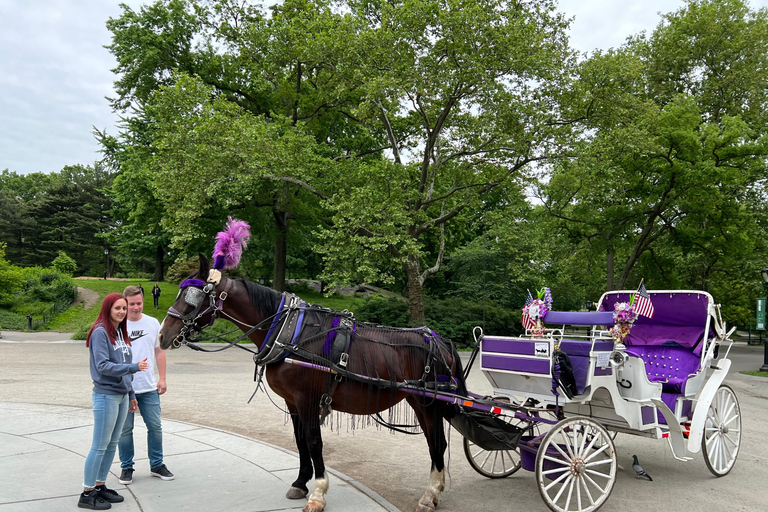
point(639, 469)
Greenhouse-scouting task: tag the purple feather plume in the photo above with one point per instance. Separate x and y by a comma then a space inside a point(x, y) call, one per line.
point(230, 244)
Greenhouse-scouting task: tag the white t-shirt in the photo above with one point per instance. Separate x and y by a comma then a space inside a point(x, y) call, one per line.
point(144, 339)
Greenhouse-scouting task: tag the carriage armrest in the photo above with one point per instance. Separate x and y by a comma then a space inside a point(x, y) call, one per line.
point(579, 317)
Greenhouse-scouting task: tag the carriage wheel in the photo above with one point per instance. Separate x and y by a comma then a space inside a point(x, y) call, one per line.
point(722, 432)
point(576, 466)
point(494, 463)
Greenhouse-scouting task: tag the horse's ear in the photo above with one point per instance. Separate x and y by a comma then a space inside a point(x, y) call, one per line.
point(204, 266)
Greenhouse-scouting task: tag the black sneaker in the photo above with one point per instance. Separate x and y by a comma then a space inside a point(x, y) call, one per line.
point(161, 472)
point(93, 501)
point(108, 494)
point(126, 476)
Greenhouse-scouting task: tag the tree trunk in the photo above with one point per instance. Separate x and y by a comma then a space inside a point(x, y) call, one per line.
point(416, 315)
point(281, 248)
point(159, 263)
point(609, 269)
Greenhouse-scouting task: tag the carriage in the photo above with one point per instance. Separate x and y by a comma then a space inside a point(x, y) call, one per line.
point(560, 392)
point(665, 381)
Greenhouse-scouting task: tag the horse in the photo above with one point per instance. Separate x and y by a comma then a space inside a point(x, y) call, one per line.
point(369, 369)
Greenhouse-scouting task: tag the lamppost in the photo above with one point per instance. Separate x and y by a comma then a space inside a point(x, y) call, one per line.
point(106, 262)
point(764, 274)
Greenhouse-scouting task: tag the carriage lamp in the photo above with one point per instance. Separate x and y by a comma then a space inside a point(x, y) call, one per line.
point(764, 274)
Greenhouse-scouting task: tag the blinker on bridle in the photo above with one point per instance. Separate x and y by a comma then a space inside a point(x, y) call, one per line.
point(195, 291)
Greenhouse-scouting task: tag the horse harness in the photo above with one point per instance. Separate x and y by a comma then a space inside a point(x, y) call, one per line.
point(195, 295)
point(283, 337)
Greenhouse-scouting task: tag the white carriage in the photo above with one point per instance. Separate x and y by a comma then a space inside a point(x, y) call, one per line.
point(664, 381)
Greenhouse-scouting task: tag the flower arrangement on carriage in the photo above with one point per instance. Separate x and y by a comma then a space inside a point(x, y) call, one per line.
point(535, 310)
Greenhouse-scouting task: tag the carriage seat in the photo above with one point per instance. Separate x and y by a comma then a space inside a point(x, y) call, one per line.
point(670, 365)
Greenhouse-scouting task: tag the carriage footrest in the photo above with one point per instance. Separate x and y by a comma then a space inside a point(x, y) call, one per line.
point(487, 431)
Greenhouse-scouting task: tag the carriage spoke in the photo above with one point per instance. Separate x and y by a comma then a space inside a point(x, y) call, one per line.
point(562, 488)
point(569, 495)
point(556, 460)
point(551, 471)
point(577, 481)
point(567, 457)
point(598, 473)
point(557, 480)
point(596, 452)
point(567, 443)
point(598, 463)
point(583, 482)
point(589, 480)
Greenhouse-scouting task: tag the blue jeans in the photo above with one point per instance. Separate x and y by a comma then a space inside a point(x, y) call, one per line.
point(149, 407)
point(109, 412)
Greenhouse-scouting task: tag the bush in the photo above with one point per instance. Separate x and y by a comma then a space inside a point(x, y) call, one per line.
point(47, 285)
point(63, 264)
point(383, 311)
point(12, 279)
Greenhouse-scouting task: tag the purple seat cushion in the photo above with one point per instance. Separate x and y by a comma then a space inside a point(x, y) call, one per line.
point(672, 366)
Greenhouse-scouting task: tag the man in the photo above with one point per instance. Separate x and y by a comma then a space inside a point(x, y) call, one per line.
point(143, 331)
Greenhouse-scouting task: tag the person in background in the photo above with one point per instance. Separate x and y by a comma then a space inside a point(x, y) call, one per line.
point(143, 331)
point(112, 366)
point(156, 295)
point(141, 290)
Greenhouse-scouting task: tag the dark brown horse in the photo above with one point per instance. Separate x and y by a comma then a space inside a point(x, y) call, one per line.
point(386, 357)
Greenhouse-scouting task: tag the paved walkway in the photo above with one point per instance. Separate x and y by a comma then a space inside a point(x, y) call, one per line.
point(43, 447)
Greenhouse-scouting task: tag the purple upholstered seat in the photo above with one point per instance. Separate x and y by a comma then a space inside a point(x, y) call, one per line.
point(672, 366)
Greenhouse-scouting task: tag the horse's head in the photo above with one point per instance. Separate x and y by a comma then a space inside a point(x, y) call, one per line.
point(194, 309)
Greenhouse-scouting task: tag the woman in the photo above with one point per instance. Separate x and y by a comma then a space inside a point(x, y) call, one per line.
point(112, 367)
point(156, 295)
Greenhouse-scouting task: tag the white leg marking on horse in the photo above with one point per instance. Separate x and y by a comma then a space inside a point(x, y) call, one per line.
point(431, 496)
point(316, 501)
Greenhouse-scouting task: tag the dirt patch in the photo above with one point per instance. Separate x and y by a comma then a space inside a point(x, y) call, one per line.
point(85, 296)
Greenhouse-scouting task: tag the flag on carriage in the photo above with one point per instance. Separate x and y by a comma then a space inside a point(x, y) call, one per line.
point(643, 304)
point(528, 323)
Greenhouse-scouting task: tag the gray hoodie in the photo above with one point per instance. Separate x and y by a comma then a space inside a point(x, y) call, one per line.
point(112, 366)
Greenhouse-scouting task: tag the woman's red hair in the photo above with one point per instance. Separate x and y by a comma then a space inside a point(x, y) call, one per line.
point(106, 320)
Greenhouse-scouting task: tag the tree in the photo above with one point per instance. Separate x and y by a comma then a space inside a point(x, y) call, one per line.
point(242, 56)
point(673, 151)
point(69, 216)
point(466, 94)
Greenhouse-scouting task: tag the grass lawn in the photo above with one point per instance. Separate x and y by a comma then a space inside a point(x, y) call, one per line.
point(78, 319)
point(756, 374)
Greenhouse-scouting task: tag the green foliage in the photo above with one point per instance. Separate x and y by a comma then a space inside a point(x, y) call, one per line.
point(181, 269)
point(47, 286)
point(12, 279)
point(454, 318)
point(63, 264)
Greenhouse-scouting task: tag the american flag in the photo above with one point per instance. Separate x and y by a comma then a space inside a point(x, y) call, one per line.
point(643, 304)
point(527, 322)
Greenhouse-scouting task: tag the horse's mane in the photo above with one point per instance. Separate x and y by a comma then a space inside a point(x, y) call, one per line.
point(266, 300)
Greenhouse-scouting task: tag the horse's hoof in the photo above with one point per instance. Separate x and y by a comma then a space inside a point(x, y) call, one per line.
point(294, 493)
point(428, 507)
point(313, 506)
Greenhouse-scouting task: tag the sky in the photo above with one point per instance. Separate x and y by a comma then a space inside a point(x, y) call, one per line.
point(55, 72)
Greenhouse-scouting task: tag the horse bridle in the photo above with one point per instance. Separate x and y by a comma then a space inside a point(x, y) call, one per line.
point(195, 292)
